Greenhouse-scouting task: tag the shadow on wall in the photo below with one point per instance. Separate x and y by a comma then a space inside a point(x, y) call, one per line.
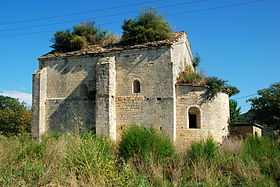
point(77, 110)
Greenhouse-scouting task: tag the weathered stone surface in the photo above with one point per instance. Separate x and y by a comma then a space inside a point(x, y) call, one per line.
point(214, 113)
point(95, 89)
point(39, 102)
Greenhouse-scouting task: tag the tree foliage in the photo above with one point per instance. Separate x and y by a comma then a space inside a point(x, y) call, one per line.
point(82, 36)
point(147, 27)
point(235, 112)
point(266, 107)
point(14, 116)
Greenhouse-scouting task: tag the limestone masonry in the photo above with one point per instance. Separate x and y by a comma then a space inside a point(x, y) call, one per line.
point(109, 89)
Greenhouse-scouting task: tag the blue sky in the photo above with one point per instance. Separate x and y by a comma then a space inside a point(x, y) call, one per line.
point(237, 40)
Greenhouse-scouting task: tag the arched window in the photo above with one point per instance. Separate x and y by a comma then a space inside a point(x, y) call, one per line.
point(194, 118)
point(136, 86)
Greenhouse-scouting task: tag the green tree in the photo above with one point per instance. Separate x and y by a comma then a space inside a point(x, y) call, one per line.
point(266, 107)
point(234, 112)
point(82, 36)
point(14, 116)
point(147, 27)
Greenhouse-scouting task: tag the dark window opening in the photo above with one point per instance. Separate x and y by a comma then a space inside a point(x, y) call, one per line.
point(192, 121)
point(194, 118)
point(136, 86)
point(158, 98)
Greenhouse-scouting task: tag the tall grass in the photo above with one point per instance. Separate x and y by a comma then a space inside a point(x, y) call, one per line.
point(93, 160)
point(144, 142)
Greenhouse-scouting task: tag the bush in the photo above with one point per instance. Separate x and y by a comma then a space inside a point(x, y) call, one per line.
point(83, 35)
point(188, 76)
point(215, 85)
point(141, 142)
point(15, 117)
point(205, 149)
point(147, 27)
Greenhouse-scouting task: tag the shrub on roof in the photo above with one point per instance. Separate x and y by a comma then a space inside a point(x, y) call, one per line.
point(147, 27)
point(82, 36)
point(214, 84)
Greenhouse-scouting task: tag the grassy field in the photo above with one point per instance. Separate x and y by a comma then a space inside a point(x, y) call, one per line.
point(91, 160)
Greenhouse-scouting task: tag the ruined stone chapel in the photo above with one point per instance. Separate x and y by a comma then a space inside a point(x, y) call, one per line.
point(109, 89)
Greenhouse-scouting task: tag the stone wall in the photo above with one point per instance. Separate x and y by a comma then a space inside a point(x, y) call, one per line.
point(70, 92)
point(105, 97)
point(152, 67)
point(39, 95)
point(96, 91)
point(244, 130)
point(213, 114)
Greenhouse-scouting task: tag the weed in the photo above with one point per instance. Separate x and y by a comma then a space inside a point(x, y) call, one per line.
point(144, 142)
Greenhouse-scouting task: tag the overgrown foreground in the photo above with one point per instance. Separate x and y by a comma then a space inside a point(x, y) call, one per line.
point(90, 160)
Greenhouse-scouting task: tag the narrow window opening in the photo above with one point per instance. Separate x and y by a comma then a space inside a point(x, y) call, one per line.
point(136, 86)
point(192, 121)
point(158, 98)
point(194, 118)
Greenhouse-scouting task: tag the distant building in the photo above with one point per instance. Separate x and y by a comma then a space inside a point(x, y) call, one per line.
point(108, 89)
point(245, 129)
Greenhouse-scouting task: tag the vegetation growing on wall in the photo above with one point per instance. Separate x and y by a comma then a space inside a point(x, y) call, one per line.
point(81, 36)
point(189, 76)
point(149, 26)
point(214, 84)
point(195, 61)
point(15, 117)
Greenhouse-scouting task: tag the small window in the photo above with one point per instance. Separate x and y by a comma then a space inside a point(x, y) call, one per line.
point(136, 86)
point(194, 118)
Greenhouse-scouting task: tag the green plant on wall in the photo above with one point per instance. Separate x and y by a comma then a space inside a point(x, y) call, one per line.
point(190, 77)
point(214, 84)
point(195, 61)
